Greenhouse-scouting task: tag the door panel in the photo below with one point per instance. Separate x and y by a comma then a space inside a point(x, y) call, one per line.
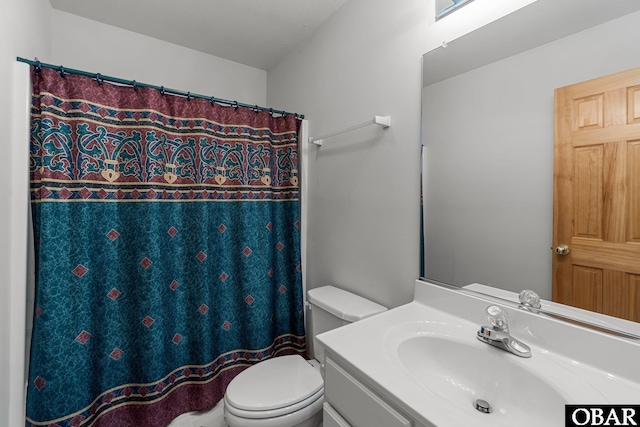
point(634, 104)
point(587, 215)
point(614, 192)
point(587, 288)
point(633, 166)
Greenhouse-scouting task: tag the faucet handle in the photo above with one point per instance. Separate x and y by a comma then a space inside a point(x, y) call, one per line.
point(498, 318)
point(529, 298)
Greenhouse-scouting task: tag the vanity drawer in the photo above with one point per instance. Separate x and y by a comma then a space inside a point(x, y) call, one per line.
point(358, 405)
point(330, 418)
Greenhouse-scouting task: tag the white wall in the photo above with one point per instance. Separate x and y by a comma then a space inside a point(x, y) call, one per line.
point(88, 45)
point(25, 31)
point(364, 187)
point(489, 143)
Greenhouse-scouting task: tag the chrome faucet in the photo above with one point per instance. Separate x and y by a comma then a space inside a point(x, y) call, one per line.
point(497, 334)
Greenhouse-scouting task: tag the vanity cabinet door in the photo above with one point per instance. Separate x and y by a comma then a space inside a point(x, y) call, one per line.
point(354, 402)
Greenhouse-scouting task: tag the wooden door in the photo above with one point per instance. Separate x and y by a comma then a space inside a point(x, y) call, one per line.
point(596, 209)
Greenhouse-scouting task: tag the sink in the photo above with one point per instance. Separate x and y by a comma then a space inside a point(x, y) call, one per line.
point(449, 361)
point(461, 373)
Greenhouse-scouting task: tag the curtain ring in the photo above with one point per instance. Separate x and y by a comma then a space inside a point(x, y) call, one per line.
point(162, 90)
point(235, 103)
point(189, 96)
point(135, 86)
point(38, 66)
point(62, 74)
point(256, 109)
point(271, 111)
point(213, 102)
point(99, 79)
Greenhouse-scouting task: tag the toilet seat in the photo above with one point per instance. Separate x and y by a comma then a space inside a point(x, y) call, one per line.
point(244, 413)
point(298, 418)
point(274, 388)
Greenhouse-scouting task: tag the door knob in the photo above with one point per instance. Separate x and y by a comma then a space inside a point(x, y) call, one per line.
point(562, 250)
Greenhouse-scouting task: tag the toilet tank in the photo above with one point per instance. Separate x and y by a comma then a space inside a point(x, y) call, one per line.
point(331, 307)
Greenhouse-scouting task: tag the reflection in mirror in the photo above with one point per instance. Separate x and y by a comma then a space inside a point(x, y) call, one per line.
point(488, 137)
point(587, 319)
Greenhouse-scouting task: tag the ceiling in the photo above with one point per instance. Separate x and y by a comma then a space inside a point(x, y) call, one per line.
point(258, 33)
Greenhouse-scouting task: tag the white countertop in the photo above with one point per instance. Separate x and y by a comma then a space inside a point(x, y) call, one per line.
point(370, 348)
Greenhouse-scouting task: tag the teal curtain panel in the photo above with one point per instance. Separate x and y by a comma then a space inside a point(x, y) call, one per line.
point(167, 250)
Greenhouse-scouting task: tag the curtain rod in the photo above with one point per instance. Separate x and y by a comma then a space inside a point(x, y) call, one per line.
point(162, 89)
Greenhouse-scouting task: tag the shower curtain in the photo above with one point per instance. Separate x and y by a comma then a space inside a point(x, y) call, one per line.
point(167, 250)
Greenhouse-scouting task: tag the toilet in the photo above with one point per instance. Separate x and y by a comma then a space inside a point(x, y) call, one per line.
point(287, 391)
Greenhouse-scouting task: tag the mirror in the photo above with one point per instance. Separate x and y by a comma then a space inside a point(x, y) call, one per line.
point(488, 135)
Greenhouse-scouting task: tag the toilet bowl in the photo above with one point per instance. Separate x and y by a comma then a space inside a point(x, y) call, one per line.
point(284, 391)
point(287, 391)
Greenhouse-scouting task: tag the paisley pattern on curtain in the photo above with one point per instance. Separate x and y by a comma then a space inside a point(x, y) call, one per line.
point(167, 250)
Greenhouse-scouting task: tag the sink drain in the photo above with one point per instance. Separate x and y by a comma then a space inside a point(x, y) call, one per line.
point(482, 406)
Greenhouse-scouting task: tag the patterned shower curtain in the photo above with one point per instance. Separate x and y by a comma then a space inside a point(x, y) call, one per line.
point(167, 250)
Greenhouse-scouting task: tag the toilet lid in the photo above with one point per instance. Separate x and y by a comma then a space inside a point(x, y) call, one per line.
point(273, 384)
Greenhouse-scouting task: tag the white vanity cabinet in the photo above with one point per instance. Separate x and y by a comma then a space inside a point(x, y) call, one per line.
point(349, 402)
